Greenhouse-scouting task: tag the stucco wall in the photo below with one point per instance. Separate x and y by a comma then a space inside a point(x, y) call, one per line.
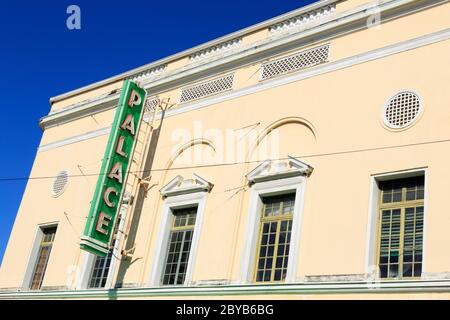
point(325, 117)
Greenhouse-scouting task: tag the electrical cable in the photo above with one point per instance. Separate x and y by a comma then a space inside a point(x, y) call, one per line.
point(237, 162)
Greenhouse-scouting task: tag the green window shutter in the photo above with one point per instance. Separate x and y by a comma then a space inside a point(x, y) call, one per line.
point(401, 228)
point(274, 238)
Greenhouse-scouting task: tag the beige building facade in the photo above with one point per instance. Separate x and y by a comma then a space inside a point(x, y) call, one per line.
point(305, 157)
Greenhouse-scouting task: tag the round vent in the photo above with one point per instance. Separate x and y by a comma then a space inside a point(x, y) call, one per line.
point(402, 110)
point(60, 183)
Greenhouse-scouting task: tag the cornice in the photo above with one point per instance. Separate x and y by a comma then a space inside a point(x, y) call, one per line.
point(196, 49)
point(323, 30)
point(380, 53)
point(79, 111)
point(320, 288)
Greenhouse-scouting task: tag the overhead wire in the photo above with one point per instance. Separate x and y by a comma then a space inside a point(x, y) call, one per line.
point(5, 179)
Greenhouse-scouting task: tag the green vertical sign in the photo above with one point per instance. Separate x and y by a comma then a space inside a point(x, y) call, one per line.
point(111, 182)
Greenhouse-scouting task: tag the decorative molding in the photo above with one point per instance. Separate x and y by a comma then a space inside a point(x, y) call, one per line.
point(221, 282)
point(215, 50)
point(435, 275)
point(80, 110)
point(380, 53)
point(218, 291)
point(148, 74)
point(336, 278)
point(435, 37)
point(11, 289)
point(127, 285)
point(54, 288)
point(179, 186)
point(302, 20)
point(340, 24)
point(105, 103)
point(75, 139)
point(177, 56)
point(279, 169)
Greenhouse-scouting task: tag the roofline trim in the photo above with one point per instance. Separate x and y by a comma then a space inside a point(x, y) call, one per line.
point(192, 50)
point(110, 102)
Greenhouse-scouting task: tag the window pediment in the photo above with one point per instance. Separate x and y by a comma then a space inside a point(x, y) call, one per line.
point(180, 185)
point(279, 169)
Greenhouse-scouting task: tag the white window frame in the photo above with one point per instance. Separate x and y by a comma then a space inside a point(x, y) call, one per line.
point(172, 203)
point(33, 255)
point(273, 188)
point(371, 263)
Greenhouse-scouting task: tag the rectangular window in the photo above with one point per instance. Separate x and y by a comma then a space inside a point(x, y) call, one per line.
point(274, 238)
point(102, 265)
point(45, 247)
point(100, 271)
point(180, 240)
point(400, 248)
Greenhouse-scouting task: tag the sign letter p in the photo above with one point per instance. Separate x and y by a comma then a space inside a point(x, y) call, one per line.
point(135, 99)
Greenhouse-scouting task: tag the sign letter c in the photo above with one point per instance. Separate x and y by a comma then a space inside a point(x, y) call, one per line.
point(108, 191)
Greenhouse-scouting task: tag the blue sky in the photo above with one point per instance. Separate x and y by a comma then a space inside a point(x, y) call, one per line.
point(41, 58)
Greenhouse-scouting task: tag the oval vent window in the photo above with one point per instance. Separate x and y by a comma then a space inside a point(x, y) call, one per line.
point(402, 110)
point(60, 183)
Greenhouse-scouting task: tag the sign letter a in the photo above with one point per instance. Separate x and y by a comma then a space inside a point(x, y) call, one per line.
point(128, 124)
point(116, 172)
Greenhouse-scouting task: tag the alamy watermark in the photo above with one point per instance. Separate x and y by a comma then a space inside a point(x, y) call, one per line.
point(73, 21)
point(226, 145)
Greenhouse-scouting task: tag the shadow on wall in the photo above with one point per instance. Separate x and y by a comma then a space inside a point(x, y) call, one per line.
point(126, 262)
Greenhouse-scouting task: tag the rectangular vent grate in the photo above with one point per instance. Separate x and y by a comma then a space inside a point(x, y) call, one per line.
point(298, 61)
point(207, 88)
point(151, 104)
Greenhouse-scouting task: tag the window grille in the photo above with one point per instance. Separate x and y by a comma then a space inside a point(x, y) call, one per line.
point(401, 228)
point(102, 265)
point(298, 61)
point(402, 110)
point(274, 238)
point(151, 104)
point(208, 88)
point(100, 270)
